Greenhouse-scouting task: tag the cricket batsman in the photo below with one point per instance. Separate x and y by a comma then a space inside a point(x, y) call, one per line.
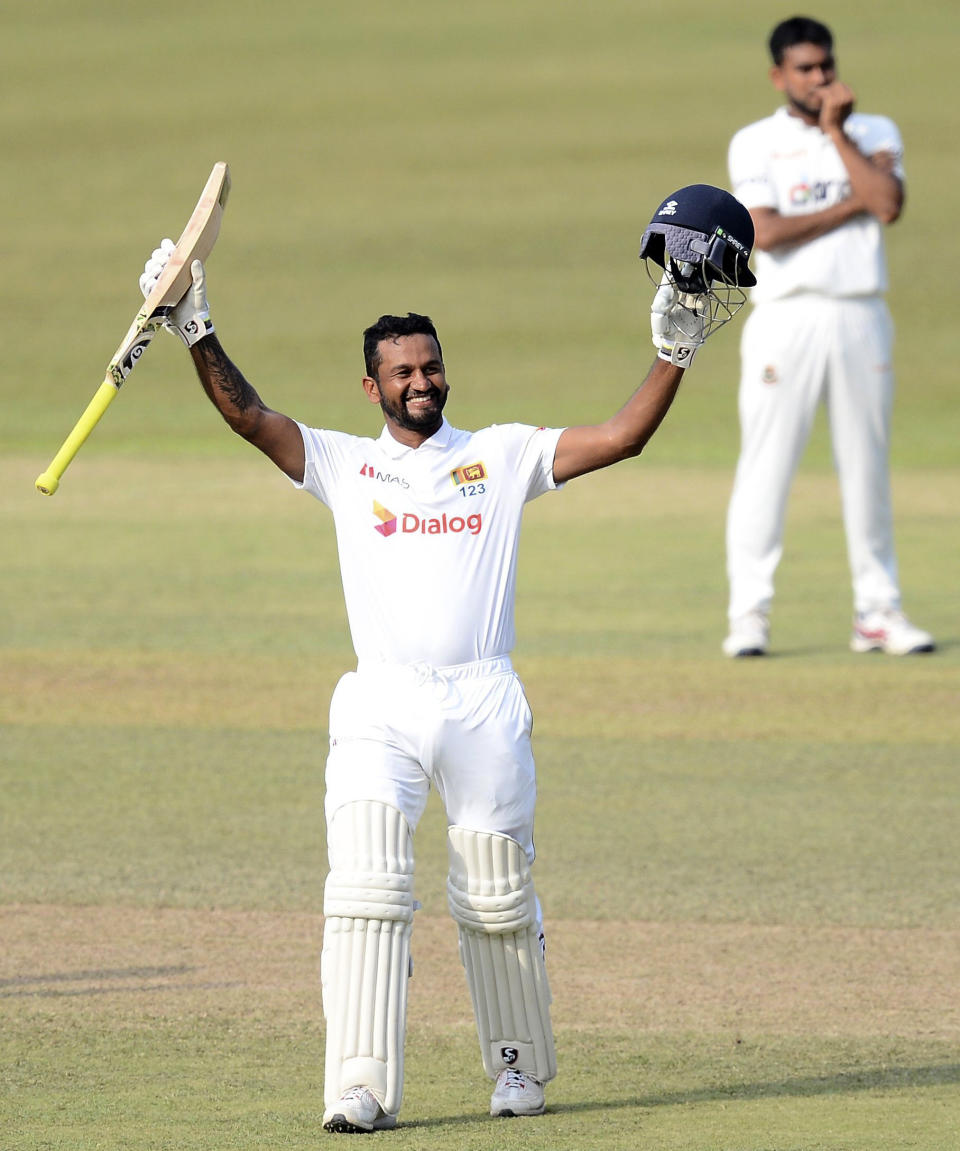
point(427, 520)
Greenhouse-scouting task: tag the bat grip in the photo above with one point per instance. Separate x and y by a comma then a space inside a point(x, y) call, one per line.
point(49, 481)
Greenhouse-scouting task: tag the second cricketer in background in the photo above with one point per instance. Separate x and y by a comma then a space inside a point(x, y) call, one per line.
point(820, 181)
point(428, 520)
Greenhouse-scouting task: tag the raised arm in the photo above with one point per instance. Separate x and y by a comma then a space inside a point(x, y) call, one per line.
point(680, 323)
point(275, 434)
point(700, 240)
point(585, 449)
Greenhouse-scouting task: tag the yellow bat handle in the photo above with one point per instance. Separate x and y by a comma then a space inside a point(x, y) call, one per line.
point(49, 481)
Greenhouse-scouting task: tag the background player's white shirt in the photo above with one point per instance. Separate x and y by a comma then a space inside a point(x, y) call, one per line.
point(783, 163)
point(428, 536)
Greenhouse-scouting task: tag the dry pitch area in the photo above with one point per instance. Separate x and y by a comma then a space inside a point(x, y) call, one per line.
point(124, 964)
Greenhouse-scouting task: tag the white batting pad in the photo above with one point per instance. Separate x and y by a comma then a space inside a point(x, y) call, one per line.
point(491, 898)
point(368, 909)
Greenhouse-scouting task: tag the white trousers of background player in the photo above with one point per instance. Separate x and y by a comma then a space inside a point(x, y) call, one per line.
point(796, 353)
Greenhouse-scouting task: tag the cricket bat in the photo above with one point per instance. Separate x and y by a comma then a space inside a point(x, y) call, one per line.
point(195, 243)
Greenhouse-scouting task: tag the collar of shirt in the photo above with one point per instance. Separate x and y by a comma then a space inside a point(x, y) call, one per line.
point(394, 449)
point(791, 123)
point(796, 123)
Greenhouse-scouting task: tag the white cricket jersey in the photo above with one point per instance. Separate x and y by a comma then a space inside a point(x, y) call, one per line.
point(428, 536)
point(786, 164)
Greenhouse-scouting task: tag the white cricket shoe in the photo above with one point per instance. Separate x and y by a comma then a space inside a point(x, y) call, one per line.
point(749, 635)
point(356, 1111)
point(888, 630)
point(517, 1093)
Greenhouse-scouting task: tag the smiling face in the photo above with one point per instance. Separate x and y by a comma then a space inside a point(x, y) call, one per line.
point(802, 75)
point(410, 386)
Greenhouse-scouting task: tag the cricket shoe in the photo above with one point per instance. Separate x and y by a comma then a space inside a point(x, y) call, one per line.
point(889, 630)
point(516, 1093)
point(357, 1111)
point(749, 635)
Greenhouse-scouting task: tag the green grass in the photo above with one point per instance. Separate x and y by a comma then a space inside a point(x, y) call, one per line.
point(167, 673)
point(228, 1084)
point(171, 623)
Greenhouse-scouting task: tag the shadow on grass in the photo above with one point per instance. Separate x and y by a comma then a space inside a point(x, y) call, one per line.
point(20, 986)
point(843, 1083)
point(803, 651)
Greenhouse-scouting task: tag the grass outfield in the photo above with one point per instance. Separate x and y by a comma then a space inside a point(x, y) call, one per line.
point(749, 871)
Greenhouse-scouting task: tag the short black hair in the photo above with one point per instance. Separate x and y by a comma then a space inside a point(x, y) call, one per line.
point(389, 328)
point(798, 30)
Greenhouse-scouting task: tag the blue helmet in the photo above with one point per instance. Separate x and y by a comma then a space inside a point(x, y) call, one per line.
point(702, 235)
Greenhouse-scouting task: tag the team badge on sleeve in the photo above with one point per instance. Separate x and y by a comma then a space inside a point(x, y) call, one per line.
point(469, 474)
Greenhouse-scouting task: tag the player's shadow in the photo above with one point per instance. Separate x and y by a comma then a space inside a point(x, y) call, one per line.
point(842, 1083)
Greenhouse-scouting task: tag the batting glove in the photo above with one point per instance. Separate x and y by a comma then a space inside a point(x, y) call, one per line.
point(190, 319)
point(677, 322)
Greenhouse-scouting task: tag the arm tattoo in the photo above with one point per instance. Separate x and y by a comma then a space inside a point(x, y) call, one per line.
point(224, 382)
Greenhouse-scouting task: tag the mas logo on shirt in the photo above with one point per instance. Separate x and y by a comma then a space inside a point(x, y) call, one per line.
point(372, 473)
point(409, 523)
point(469, 474)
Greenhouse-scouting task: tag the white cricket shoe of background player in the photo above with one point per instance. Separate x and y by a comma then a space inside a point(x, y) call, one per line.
point(890, 631)
point(749, 636)
point(886, 630)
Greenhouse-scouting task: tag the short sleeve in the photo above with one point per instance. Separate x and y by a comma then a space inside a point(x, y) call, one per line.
point(873, 134)
point(530, 454)
point(747, 164)
point(324, 455)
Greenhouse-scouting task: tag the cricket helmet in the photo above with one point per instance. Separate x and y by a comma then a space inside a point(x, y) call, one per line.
point(702, 235)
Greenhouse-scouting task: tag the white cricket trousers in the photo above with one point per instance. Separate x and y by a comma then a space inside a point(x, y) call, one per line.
point(796, 353)
point(395, 730)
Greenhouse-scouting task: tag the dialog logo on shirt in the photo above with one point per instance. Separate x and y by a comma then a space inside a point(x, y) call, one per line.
point(388, 521)
point(409, 523)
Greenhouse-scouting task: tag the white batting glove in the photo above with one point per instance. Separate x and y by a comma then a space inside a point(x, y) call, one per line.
point(153, 268)
point(677, 321)
point(190, 319)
